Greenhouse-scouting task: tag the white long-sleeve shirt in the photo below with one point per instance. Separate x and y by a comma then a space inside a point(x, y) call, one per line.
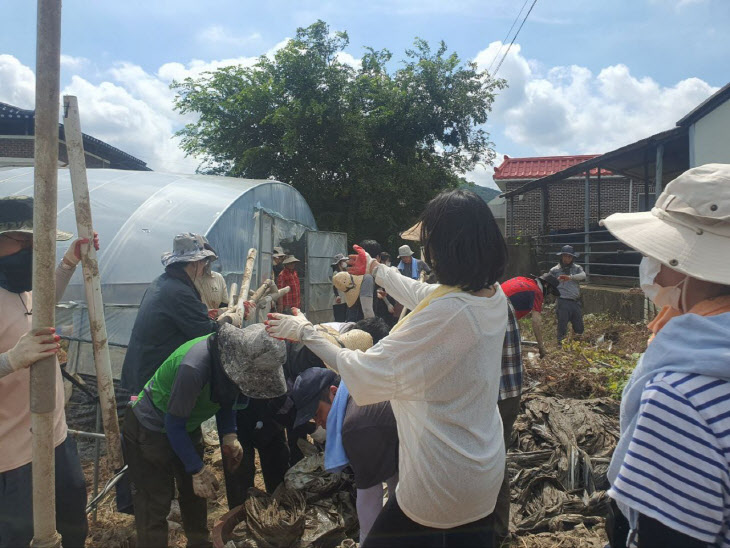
point(440, 372)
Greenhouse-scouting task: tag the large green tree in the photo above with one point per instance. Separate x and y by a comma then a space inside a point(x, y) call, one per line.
point(366, 147)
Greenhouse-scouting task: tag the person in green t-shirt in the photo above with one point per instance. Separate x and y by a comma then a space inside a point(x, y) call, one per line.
point(213, 375)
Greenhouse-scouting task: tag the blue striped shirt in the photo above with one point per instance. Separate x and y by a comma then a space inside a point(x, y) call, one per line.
point(677, 468)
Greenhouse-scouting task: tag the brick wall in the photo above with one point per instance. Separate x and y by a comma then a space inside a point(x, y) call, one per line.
point(566, 204)
point(24, 148)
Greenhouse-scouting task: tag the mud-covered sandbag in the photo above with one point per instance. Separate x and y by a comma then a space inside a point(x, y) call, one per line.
point(309, 477)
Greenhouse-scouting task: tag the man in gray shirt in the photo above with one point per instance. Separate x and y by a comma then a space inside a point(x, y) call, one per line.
point(568, 308)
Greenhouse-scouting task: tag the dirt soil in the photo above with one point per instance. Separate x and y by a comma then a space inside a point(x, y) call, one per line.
point(583, 378)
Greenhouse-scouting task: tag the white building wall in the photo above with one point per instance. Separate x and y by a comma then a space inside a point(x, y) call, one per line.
point(711, 140)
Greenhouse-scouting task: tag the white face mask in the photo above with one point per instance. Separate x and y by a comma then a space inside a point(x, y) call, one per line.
point(661, 296)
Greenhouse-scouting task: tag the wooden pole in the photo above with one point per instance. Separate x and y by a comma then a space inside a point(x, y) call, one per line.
point(45, 182)
point(92, 281)
point(243, 295)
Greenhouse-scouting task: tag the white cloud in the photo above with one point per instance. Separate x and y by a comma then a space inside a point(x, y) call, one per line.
point(571, 110)
point(17, 83)
point(70, 62)
point(216, 35)
point(347, 59)
point(483, 175)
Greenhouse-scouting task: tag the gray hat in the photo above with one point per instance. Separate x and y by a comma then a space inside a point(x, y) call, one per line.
point(278, 252)
point(16, 215)
point(405, 251)
point(188, 248)
point(337, 259)
point(291, 259)
point(568, 250)
point(253, 360)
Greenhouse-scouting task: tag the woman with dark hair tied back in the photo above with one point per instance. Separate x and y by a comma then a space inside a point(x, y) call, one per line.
point(440, 369)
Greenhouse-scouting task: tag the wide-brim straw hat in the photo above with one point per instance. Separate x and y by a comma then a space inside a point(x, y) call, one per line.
point(354, 339)
point(291, 259)
point(16, 215)
point(349, 285)
point(188, 248)
point(688, 229)
point(278, 252)
point(253, 360)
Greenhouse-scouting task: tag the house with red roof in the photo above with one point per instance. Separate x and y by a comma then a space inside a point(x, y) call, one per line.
point(562, 208)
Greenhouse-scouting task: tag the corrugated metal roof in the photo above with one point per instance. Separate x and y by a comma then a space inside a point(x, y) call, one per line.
point(541, 166)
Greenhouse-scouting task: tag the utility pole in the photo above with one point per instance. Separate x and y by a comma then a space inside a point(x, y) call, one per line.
point(45, 178)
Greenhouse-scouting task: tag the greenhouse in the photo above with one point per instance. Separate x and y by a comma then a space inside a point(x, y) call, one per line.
point(137, 214)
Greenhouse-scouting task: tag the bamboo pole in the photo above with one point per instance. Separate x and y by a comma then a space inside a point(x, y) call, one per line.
point(45, 181)
point(92, 281)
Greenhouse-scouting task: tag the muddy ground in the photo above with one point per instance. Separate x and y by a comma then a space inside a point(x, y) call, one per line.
point(588, 370)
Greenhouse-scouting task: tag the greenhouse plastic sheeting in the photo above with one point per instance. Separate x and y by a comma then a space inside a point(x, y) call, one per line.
point(137, 214)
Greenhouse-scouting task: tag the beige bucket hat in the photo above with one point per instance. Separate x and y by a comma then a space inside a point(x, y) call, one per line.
point(688, 229)
point(349, 285)
point(355, 339)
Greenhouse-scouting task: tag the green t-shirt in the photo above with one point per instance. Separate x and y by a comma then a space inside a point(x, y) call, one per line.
point(180, 387)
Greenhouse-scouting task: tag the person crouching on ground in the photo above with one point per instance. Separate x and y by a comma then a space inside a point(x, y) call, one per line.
point(568, 308)
point(19, 350)
point(440, 369)
point(670, 472)
point(163, 446)
point(363, 437)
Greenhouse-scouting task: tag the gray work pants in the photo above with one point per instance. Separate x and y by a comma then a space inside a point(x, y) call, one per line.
point(569, 311)
point(509, 408)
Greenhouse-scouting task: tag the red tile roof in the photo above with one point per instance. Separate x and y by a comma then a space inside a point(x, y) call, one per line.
point(534, 168)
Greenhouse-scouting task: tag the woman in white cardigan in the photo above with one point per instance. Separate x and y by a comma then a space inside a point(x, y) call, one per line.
point(440, 369)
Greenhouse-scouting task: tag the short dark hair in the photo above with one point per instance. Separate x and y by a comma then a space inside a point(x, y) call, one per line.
point(384, 256)
point(375, 326)
point(324, 395)
point(462, 240)
point(372, 247)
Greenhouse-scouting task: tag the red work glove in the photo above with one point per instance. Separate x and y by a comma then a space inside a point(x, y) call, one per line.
point(359, 262)
point(77, 245)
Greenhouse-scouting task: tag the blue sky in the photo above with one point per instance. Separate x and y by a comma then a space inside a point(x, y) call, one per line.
point(584, 76)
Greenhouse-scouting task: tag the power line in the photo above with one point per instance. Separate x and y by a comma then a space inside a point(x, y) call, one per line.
point(504, 40)
point(514, 38)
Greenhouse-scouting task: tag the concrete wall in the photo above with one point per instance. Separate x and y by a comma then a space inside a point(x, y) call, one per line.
point(711, 141)
point(615, 301)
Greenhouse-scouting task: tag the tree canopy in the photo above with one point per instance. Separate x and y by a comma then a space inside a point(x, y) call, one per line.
point(367, 147)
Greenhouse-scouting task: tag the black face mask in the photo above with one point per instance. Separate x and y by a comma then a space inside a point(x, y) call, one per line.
point(16, 271)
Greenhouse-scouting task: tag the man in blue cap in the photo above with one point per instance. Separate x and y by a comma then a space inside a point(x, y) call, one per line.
point(568, 308)
point(363, 437)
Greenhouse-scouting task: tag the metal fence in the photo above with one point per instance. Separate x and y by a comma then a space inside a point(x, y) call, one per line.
point(604, 258)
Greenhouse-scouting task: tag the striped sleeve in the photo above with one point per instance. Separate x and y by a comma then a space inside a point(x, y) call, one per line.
point(675, 471)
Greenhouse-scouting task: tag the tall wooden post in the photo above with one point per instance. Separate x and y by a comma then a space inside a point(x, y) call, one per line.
point(92, 281)
point(45, 181)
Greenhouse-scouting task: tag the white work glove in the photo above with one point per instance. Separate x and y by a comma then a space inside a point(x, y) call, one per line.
point(281, 326)
point(72, 257)
point(232, 452)
point(205, 483)
point(32, 347)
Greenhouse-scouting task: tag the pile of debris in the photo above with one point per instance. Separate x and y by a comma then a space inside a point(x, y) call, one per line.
point(558, 460)
point(311, 508)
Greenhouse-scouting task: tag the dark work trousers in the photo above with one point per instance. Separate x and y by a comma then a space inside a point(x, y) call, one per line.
point(509, 408)
point(340, 312)
point(270, 442)
point(393, 529)
point(16, 501)
point(569, 311)
point(154, 469)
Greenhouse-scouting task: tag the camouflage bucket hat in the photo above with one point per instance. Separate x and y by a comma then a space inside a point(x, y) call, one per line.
point(188, 248)
point(253, 360)
point(16, 215)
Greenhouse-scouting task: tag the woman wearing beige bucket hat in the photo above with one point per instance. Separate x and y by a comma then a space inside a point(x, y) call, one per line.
point(440, 369)
point(670, 472)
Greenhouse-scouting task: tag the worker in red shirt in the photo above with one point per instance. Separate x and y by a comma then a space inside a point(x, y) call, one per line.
point(527, 296)
point(289, 278)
